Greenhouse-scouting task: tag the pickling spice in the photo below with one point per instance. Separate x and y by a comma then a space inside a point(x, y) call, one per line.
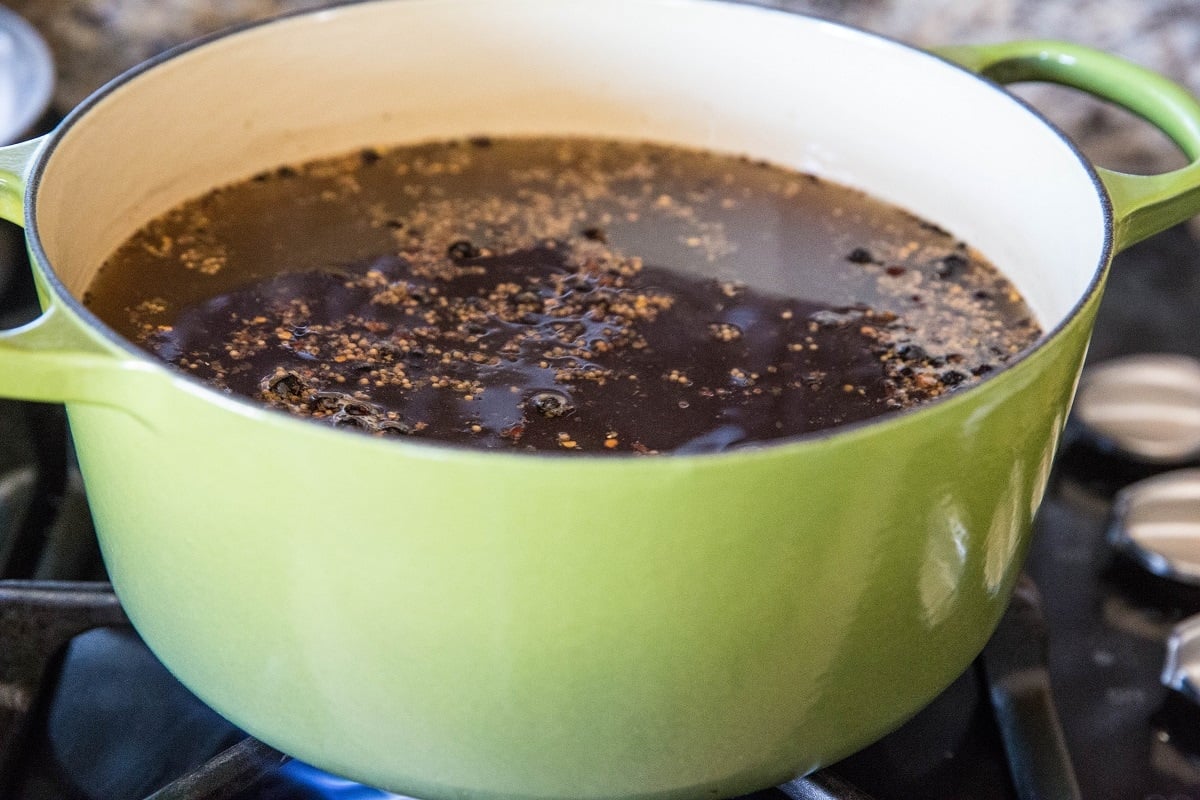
point(564, 295)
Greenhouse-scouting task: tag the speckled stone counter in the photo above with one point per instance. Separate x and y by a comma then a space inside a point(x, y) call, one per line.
point(94, 40)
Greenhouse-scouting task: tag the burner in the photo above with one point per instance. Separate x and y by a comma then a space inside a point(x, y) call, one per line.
point(1156, 522)
point(1145, 408)
point(1182, 670)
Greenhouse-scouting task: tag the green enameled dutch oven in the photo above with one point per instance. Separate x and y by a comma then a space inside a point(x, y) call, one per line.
point(462, 624)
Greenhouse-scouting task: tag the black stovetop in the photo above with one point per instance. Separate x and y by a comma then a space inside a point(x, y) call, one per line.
point(111, 723)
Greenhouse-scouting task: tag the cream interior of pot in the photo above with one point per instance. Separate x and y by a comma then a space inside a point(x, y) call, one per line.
point(903, 125)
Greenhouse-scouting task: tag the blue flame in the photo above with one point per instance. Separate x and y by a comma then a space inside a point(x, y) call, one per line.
point(299, 781)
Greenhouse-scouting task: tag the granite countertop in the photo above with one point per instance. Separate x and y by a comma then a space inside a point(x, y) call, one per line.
point(95, 40)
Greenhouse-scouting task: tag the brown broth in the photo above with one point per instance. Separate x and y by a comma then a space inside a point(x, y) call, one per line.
point(562, 294)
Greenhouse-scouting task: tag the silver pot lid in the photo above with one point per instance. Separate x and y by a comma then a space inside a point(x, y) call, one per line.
point(26, 76)
point(1146, 407)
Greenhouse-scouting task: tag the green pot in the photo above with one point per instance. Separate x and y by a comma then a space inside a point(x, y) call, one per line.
point(460, 624)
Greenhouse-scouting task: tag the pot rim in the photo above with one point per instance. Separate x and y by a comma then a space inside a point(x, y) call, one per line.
point(249, 407)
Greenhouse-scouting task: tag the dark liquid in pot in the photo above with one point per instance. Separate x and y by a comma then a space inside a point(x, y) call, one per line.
point(564, 295)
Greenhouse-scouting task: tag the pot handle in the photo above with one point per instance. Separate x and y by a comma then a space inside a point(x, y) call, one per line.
point(1143, 205)
point(52, 359)
point(15, 162)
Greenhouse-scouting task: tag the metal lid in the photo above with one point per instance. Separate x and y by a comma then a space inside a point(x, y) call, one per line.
point(26, 76)
point(1182, 669)
point(1157, 522)
point(1147, 407)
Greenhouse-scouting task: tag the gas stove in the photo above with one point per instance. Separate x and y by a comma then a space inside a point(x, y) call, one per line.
point(1066, 701)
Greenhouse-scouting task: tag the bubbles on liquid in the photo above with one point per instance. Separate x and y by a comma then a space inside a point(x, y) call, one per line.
point(550, 403)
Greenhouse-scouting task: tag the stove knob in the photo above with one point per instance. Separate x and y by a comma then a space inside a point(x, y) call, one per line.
point(1182, 669)
point(1144, 407)
point(1156, 521)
